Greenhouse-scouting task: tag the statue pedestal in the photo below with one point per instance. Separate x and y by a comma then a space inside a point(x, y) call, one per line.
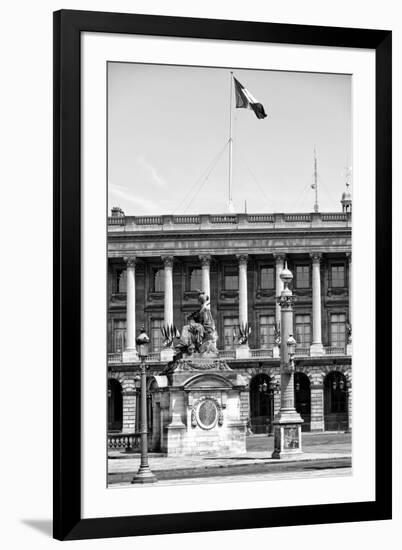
point(130, 356)
point(242, 351)
point(204, 398)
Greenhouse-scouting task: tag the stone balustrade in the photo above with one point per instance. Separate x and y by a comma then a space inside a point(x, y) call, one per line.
point(230, 355)
point(200, 221)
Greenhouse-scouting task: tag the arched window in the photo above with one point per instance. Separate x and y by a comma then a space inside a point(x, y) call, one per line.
point(115, 406)
point(335, 402)
point(303, 399)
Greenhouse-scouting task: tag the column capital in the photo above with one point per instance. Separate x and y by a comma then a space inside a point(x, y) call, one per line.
point(205, 260)
point(130, 261)
point(349, 255)
point(242, 258)
point(316, 256)
point(279, 257)
point(168, 260)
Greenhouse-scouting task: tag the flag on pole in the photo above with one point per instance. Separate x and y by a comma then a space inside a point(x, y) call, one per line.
point(244, 100)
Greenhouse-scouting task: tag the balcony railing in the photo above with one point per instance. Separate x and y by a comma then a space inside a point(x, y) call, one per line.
point(227, 354)
point(114, 357)
point(261, 353)
point(302, 351)
point(335, 350)
point(230, 355)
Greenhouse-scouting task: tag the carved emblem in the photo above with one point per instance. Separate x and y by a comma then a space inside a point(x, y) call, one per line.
point(207, 413)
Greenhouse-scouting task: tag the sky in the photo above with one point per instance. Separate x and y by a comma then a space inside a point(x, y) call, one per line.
point(168, 130)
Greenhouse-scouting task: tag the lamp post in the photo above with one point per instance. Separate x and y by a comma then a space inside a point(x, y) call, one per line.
point(287, 423)
point(144, 474)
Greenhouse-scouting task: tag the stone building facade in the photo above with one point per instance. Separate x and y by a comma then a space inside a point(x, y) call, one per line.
point(156, 265)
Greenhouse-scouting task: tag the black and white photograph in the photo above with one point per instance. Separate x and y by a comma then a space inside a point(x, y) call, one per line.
point(229, 284)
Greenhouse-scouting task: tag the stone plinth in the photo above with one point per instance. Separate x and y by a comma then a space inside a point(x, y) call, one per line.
point(130, 356)
point(287, 431)
point(243, 352)
point(203, 397)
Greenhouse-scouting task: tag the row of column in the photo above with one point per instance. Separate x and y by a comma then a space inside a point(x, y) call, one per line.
point(316, 348)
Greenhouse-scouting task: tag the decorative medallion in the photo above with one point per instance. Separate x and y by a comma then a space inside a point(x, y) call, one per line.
point(206, 413)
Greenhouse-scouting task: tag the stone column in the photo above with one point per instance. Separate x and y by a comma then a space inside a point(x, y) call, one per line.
point(349, 256)
point(166, 354)
point(168, 313)
point(242, 350)
point(316, 346)
point(205, 267)
point(349, 390)
point(279, 263)
point(317, 408)
point(243, 303)
point(130, 353)
point(349, 335)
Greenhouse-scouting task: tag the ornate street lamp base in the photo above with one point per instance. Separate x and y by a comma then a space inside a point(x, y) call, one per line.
point(287, 434)
point(144, 475)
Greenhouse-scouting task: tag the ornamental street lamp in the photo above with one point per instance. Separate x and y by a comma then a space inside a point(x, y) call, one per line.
point(287, 423)
point(144, 474)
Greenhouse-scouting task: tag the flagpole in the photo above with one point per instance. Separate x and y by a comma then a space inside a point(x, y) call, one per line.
point(230, 143)
point(315, 181)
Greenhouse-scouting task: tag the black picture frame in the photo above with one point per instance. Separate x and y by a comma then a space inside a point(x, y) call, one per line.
point(68, 522)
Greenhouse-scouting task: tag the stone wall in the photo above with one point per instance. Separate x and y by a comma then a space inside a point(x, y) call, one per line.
point(316, 369)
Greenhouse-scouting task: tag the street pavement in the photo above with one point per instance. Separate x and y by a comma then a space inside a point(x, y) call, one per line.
point(265, 476)
point(324, 454)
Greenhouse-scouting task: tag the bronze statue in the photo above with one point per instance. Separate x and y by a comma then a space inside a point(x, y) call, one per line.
point(199, 334)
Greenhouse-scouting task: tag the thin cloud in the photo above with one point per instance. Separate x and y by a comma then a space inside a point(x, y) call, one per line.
point(151, 173)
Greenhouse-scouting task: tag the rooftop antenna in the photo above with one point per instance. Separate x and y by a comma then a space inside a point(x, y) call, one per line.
point(315, 184)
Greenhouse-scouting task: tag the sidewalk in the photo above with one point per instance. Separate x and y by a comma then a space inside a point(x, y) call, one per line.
point(320, 451)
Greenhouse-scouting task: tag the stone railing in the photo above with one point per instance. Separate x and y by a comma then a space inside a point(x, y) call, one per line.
point(199, 221)
point(123, 442)
point(227, 354)
point(302, 351)
point(335, 350)
point(128, 442)
point(114, 357)
point(261, 353)
point(187, 219)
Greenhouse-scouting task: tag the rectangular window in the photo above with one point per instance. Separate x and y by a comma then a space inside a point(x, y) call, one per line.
point(231, 278)
point(156, 334)
point(119, 335)
point(338, 329)
point(267, 331)
point(230, 332)
point(195, 279)
point(338, 276)
point(267, 278)
point(303, 330)
point(158, 280)
point(121, 281)
point(303, 276)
